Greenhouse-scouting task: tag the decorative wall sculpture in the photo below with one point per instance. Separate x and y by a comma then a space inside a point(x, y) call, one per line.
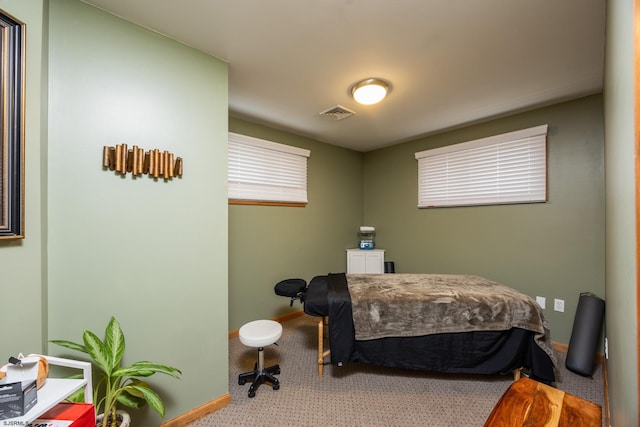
point(155, 163)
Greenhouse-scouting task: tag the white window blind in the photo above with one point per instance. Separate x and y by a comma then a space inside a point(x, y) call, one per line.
point(501, 169)
point(266, 171)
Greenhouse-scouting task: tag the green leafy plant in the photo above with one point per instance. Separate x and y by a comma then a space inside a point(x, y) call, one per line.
point(119, 384)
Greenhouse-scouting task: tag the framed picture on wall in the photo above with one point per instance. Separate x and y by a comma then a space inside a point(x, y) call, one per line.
point(12, 88)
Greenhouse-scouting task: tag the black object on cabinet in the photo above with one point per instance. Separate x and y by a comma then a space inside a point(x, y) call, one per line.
point(585, 334)
point(389, 267)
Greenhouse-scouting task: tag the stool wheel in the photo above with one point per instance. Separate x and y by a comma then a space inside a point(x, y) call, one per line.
point(276, 386)
point(242, 381)
point(252, 393)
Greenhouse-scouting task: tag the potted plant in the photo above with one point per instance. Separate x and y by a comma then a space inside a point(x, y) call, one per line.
point(119, 384)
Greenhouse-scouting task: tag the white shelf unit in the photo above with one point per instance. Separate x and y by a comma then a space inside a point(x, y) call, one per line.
point(55, 390)
point(365, 261)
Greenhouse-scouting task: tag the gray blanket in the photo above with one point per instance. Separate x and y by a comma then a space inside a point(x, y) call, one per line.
point(405, 305)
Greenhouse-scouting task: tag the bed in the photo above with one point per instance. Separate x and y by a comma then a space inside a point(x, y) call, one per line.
point(432, 322)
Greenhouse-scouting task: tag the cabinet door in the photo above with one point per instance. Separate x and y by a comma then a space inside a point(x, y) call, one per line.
point(374, 262)
point(356, 262)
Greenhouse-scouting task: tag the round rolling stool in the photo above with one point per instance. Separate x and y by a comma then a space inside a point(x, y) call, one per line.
point(258, 334)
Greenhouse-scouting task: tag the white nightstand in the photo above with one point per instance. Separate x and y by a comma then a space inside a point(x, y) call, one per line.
point(365, 261)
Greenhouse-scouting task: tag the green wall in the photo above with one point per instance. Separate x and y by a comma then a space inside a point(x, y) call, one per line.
point(554, 250)
point(21, 261)
point(152, 253)
point(271, 243)
point(621, 254)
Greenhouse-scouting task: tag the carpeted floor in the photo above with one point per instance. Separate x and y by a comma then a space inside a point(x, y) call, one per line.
point(364, 395)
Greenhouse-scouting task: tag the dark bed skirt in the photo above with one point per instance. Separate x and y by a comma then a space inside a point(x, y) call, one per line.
point(479, 352)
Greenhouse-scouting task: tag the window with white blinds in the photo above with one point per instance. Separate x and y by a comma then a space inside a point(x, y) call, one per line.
point(265, 171)
point(501, 169)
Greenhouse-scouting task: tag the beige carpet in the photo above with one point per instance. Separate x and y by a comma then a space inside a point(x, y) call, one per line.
point(364, 395)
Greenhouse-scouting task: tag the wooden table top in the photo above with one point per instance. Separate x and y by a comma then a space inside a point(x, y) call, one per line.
point(531, 403)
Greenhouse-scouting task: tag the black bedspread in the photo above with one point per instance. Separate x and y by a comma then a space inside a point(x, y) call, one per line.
point(342, 337)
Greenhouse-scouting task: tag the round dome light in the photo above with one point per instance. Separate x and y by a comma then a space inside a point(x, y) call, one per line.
point(370, 91)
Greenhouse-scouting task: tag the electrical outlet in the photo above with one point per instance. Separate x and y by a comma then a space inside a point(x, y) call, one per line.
point(541, 302)
point(558, 305)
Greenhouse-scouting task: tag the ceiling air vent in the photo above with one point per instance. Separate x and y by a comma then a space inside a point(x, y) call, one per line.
point(337, 113)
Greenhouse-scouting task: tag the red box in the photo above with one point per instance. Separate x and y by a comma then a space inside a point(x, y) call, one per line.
point(68, 415)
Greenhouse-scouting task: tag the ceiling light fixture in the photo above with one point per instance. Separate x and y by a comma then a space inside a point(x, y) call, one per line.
point(370, 91)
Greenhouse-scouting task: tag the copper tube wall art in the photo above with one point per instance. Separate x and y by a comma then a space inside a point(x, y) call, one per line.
point(155, 163)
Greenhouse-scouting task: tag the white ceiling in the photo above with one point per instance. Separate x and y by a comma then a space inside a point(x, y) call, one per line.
point(450, 62)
